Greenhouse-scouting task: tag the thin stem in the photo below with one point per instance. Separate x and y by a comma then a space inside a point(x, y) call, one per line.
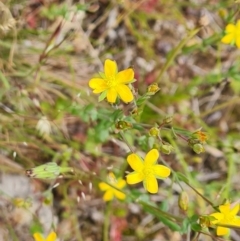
point(126, 142)
point(204, 198)
point(229, 174)
point(175, 52)
point(219, 107)
point(106, 222)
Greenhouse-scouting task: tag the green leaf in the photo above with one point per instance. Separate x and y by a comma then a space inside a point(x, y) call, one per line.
point(196, 227)
point(194, 218)
point(185, 225)
point(102, 96)
point(102, 75)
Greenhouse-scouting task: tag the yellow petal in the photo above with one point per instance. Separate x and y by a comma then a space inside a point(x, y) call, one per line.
point(119, 195)
point(151, 184)
point(225, 208)
point(151, 157)
point(125, 93)
point(234, 211)
point(228, 39)
point(236, 221)
point(221, 231)
point(125, 76)
point(135, 162)
point(218, 216)
point(161, 171)
point(38, 237)
point(230, 28)
point(134, 177)
point(52, 236)
point(110, 68)
point(112, 95)
point(98, 84)
point(103, 186)
point(108, 196)
point(121, 184)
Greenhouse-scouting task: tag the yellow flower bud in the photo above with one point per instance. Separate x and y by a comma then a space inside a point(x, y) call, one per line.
point(152, 89)
point(183, 201)
point(154, 131)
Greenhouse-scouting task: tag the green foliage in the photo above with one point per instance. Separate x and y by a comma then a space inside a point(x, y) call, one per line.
point(166, 46)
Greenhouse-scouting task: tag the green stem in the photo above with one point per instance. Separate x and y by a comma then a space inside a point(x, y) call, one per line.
point(107, 221)
point(205, 199)
point(163, 213)
point(126, 142)
point(175, 52)
point(219, 107)
point(229, 175)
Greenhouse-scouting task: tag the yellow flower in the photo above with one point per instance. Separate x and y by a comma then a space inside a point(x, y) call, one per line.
point(226, 216)
point(147, 171)
point(113, 83)
point(51, 237)
point(232, 35)
point(110, 191)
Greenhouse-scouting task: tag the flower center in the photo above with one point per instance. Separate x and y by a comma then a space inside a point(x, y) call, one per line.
point(111, 81)
point(147, 172)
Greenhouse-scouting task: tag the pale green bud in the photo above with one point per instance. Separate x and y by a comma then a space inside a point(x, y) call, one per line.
point(198, 148)
point(167, 149)
point(183, 201)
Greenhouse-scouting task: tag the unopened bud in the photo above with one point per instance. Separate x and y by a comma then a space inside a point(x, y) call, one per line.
point(49, 170)
point(200, 135)
point(166, 149)
point(183, 201)
point(198, 148)
point(154, 131)
point(122, 125)
point(167, 120)
point(152, 89)
point(222, 12)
